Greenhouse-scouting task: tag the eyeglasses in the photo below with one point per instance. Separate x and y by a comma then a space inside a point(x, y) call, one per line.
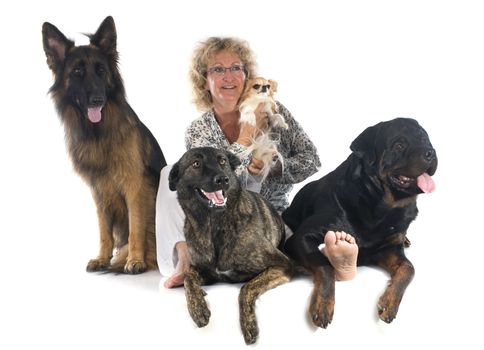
point(220, 71)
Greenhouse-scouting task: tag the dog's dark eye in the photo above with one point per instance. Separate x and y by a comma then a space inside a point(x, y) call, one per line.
point(196, 164)
point(256, 86)
point(100, 70)
point(78, 72)
point(222, 161)
point(398, 147)
point(268, 87)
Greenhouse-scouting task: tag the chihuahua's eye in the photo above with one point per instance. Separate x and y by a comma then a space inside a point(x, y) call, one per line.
point(268, 87)
point(256, 86)
point(196, 164)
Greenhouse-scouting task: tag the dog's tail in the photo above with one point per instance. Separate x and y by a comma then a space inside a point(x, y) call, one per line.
point(119, 259)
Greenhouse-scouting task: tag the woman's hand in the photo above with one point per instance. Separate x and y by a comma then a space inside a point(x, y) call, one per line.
point(255, 166)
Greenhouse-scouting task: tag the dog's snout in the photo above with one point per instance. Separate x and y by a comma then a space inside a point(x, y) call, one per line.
point(221, 180)
point(429, 155)
point(96, 100)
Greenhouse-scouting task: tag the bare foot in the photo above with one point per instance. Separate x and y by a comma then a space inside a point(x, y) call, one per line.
point(342, 251)
point(178, 277)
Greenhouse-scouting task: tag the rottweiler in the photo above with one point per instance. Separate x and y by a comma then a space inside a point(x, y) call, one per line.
point(233, 235)
point(371, 195)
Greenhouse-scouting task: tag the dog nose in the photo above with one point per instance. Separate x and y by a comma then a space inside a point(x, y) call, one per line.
point(221, 180)
point(96, 100)
point(429, 155)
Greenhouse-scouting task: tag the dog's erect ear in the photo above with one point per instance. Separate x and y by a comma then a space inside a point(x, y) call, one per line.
point(174, 176)
point(364, 146)
point(56, 46)
point(273, 84)
point(234, 161)
point(105, 37)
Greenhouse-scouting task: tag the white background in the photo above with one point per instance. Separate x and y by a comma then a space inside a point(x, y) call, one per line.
point(341, 66)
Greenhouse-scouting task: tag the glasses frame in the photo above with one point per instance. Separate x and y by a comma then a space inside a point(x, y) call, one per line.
point(235, 70)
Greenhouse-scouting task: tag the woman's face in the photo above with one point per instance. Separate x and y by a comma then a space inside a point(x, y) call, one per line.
point(225, 79)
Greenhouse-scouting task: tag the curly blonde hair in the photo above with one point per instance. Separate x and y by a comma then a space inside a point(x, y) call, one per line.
point(205, 51)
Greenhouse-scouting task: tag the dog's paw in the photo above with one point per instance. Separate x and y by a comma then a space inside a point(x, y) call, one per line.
point(135, 267)
point(96, 265)
point(386, 314)
point(250, 331)
point(387, 309)
point(200, 313)
point(321, 312)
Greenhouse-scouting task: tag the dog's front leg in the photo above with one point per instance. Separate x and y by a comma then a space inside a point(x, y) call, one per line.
point(268, 279)
point(197, 306)
point(106, 240)
point(321, 307)
point(138, 214)
point(401, 271)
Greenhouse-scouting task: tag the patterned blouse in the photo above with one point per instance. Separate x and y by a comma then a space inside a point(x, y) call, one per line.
point(301, 158)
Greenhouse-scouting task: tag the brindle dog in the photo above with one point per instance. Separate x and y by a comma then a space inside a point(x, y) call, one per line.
point(233, 235)
point(372, 195)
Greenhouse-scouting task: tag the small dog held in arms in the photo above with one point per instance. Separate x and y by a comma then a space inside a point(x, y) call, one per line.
point(111, 149)
point(264, 147)
point(233, 235)
point(373, 196)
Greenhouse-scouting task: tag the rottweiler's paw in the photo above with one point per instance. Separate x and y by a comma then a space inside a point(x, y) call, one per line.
point(96, 265)
point(321, 314)
point(387, 311)
point(250, 331)
point(135, 267)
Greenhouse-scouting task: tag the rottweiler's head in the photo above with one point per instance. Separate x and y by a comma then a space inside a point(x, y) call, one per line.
point(400, 154)
point(205, 176)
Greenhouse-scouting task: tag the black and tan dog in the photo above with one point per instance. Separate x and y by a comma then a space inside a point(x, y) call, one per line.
point(372, 196)
point(110, 147)
point(232, 234)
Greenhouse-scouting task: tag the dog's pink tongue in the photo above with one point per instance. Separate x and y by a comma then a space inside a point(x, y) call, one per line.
point(94, 114)
point(216, 197)
point(425, 183)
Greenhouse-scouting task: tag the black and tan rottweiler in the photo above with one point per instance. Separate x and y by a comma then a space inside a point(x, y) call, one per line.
point(372, 195)
point(110, 147)
point(233, 235)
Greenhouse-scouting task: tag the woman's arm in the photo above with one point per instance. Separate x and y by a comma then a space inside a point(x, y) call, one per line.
point(301, 158)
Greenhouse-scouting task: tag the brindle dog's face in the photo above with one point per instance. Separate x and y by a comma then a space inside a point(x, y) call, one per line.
point(401, 152)
point(206, 174)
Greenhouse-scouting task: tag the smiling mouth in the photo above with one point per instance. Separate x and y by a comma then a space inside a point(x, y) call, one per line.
point(424, 182)
point(215, 199)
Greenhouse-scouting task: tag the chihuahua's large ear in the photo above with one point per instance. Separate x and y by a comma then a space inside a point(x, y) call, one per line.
point(56, 46)
point(105, 37)
point(174, 176)
point(273, 85)
point(364, 146)
point(234, 161)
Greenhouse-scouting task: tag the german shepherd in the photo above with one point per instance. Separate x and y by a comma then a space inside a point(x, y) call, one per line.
point(373, 196)
point(110, 148)
point(233, 235)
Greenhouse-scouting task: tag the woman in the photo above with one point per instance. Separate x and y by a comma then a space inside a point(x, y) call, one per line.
point(219, 69)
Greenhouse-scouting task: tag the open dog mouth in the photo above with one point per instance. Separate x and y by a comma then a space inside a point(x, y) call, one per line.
point(94, 114)
point(424, 182)
point(215, 199)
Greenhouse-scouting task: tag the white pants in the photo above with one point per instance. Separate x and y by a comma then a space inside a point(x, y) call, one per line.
point(170, 219)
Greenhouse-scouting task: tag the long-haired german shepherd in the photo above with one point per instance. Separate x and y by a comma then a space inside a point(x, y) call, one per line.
point(110, 147)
